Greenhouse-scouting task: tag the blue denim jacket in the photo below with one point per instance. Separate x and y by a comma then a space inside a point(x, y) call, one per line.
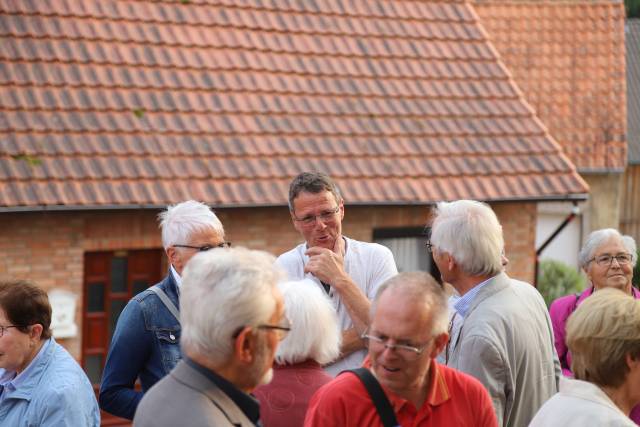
point(55, 391)
point(145, 344)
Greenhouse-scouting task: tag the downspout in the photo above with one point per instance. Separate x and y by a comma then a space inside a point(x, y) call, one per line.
point(574, 212)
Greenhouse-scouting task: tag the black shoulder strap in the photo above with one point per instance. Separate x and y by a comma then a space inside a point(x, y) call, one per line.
point(379, 399)
point(575, 302)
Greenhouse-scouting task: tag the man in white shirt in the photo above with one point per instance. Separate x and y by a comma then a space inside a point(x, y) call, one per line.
point(349, 271)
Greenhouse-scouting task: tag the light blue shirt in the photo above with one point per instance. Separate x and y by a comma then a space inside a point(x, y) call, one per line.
point(464, 303)
point(52, 391)
point(10, 382)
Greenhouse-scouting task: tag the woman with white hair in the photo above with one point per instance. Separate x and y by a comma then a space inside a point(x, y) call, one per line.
point(607, 258)
point(603, 335)
point(313, 341)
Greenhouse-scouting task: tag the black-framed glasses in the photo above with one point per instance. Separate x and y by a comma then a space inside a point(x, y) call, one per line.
point(4, 328)
point(429, 246)
point(405, 351)
point(205, 248)
point(325, 216)
point(281, 330)
point(606, 260)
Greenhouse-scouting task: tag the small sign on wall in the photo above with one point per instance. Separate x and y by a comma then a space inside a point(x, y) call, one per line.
point(63, 307)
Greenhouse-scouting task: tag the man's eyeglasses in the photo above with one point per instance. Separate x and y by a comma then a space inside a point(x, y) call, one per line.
point(205, 248)
point(429, 246)
point(405, 351)
point(281, 330)
point(325, 216)
point(4, 328)
point(606, 259)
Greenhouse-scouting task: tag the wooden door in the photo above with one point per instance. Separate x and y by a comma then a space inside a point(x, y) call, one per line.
point(110, 280)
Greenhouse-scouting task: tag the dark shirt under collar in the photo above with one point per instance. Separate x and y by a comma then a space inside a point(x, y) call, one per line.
point(247, 404)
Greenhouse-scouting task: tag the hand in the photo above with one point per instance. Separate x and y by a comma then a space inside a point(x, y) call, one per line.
point(325, 264)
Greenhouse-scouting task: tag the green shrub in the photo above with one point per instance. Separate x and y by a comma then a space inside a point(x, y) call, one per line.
point(556, 279)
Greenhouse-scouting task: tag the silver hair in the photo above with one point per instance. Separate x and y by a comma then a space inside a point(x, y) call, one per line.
point(470, 232)
point(598, 238)
point(181, 220)
point(315, 333)
point(222, 291)
point(419, 285)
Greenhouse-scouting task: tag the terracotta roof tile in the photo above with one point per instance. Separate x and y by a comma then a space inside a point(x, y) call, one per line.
point(568, 59)
point(632, 32)
point(145, 103)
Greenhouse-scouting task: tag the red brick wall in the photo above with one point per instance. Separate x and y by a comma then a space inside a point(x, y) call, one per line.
point(47, 248)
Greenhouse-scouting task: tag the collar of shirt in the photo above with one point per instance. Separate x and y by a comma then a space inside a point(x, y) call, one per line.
point(12, 382)
point(464, 303)
point(176, 278)
point(437, 390)
point(247, 404)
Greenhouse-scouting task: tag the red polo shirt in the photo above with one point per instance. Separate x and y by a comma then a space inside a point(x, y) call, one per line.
point(453, 399)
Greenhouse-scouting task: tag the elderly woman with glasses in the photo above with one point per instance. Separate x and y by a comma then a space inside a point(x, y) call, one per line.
point(40, 383)
point(604, 337)
point(313, 340)
point(608, 259)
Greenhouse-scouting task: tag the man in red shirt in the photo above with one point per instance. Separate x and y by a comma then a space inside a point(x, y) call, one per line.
point(408, 330)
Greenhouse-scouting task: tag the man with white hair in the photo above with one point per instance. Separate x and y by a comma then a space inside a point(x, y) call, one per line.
point(505, 339)
point(408, 329)
point(229, 338)
point(146, 340)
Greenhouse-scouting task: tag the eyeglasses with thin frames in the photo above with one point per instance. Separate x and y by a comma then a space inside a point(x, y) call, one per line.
point(281, 330)
point(205, 248)
point(405, 351)
point(4, 328)
point(325, 216)
point(606, 260)
point(429, 246)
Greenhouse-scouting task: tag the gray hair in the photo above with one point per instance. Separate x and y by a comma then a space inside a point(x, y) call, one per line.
point(470, 232)
point(421, 287)
point(602, 331)
point(315, 333)
point(181, 220)
point(600, 237)
point(222, 291)
point(314, 183)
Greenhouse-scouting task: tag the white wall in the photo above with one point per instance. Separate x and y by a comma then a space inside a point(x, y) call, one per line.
point(566, 245)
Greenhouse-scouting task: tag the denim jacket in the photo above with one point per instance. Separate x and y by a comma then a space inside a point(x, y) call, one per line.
point(54, 392)
point(145, 345)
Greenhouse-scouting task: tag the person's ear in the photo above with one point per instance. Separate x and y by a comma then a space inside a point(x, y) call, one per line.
point(36, 331)
point(243, 345)
point(440, 341)
point(172, 254)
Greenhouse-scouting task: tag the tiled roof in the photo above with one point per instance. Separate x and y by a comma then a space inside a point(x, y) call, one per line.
point(568, 59)
point(125, 103)
point(633, 89)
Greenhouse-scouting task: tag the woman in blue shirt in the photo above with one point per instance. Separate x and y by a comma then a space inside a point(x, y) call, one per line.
point(40, 383)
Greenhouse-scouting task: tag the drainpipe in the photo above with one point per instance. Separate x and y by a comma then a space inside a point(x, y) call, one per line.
point(574, 212)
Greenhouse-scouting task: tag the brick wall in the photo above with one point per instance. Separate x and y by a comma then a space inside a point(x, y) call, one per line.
point(48, 247)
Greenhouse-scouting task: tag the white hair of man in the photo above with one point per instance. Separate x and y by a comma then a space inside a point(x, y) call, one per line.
point(315, 333)
point(470, 232)
point(181, 220)
point(597, 238)
point(225, 290)
point(420, 287)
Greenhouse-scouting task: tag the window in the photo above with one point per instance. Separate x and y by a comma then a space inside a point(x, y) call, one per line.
point(408, 247)
point(110, 280)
